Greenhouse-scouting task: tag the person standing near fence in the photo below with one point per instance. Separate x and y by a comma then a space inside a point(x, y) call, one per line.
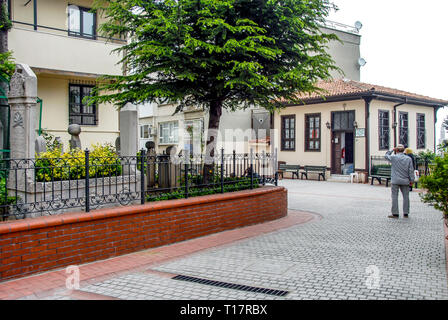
point(402, 178)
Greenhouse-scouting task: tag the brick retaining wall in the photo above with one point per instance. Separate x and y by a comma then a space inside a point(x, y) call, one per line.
point(45, 243)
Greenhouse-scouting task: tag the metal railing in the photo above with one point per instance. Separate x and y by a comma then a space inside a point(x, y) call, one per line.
point(422, 165)
point(47, 186)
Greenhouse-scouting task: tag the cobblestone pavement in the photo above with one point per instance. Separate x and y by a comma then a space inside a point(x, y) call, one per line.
point(354, 252)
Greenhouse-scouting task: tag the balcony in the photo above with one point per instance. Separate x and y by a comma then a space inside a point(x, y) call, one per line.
point(54, 49)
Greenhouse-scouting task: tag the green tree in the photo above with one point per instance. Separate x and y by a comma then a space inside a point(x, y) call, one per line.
point(216, 54)
point(445, 123)
point(436, 184)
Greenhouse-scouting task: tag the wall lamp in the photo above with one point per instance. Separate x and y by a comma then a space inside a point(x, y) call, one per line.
point(328, 125)
point(355, 124)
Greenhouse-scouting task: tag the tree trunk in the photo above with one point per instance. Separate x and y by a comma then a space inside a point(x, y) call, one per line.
point(3, 33)
point(212, 137)
point(4, 85)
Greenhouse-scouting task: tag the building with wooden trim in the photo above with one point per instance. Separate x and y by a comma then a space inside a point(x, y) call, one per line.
point(349, 121)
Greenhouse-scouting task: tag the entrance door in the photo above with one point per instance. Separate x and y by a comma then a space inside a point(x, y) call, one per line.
point(336, 153)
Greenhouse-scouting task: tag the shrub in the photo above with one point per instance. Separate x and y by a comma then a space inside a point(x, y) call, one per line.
point(436, 184)
point(231, 185)
point(55, 166)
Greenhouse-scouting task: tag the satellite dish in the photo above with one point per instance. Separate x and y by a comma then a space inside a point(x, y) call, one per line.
point(362, 62)
point(358, 25)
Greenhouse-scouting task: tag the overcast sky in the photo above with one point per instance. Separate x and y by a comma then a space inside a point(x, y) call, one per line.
point(405, 44)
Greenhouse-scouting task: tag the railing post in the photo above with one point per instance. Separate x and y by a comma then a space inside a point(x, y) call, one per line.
point(142, 176)
point(186, 175)
point(234, 163)
point(251, 168)
point(275, 166)
point(222, 170)
point(87, 181)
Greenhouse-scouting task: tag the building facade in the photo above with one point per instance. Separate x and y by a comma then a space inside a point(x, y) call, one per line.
point(58, 39)
point(350, 122)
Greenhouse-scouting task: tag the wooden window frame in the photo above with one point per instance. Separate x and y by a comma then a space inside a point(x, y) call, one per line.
point(400, 128)
point(418, 128)
point(283, 138)
point(307, 138)
point(81, 114)
point(380, 126)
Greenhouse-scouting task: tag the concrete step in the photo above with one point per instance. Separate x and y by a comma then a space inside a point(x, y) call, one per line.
point(339, 178)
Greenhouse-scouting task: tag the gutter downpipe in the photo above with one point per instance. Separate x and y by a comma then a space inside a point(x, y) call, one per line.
point(395, 124)
point(367, 101)
point(436, 108)
point(39, 100)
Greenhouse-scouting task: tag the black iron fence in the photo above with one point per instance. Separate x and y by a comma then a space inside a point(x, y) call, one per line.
point(421, 164)
point(84, 180)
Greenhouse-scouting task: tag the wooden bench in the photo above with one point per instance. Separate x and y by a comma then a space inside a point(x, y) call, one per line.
point(382, 173)
point(314, 169)
point(294, 169)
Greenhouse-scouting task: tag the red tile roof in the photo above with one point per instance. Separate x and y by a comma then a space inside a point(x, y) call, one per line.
point(345, 87)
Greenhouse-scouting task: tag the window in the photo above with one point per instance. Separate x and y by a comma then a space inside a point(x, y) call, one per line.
point(403, 129)
point(312, 132)
point(169, 132)
point(193, 136)
point(421, 132)
point(288, 133)
point(343, 120)
point(81, 22)
point(79, 112)
point(145, 130)
point(383, 129)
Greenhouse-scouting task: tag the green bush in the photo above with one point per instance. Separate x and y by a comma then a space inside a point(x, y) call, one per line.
point(55, 166)
point(436, 184)
point(4, 198)
point(231, 185)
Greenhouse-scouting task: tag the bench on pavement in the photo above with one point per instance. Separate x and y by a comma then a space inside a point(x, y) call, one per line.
point(382, 173)
point(294, 169)
point(320, 170)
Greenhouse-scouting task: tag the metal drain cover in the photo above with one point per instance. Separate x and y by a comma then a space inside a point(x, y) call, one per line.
point(234, 286)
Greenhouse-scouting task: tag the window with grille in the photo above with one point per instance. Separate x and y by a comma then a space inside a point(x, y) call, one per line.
point(383, 129)
point(403, 129)
point(288, 133)
point(312, 132)
point(421, 131)
point(79, 112)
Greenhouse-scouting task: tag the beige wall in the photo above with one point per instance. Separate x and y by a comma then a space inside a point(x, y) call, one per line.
point(345, 54)
point(412, 110)
point(55, 114)
point(322, 158)
point(56, 50)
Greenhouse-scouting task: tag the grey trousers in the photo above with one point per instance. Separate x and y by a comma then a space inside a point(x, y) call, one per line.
point(405, 192)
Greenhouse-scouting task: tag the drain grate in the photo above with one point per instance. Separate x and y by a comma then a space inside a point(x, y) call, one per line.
point(234, 286)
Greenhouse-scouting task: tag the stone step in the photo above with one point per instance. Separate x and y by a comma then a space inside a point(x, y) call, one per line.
point(339, 178)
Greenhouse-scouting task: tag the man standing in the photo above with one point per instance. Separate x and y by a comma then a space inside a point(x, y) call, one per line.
point(402, 177)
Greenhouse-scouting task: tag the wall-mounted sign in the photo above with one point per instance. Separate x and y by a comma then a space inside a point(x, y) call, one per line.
point(360, 132)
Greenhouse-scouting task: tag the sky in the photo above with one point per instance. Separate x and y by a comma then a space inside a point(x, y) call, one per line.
point(405, 44)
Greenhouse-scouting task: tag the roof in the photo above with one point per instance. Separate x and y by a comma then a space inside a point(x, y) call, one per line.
point(341, 88)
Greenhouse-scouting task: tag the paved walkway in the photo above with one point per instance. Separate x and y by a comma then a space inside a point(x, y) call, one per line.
point(346, 249)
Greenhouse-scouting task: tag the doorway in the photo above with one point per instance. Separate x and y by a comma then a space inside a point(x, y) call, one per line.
point(342, 143)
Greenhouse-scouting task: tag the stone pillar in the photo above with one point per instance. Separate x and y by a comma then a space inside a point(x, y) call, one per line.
point(22, 100)
point(128, 130)
point(129, 137)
